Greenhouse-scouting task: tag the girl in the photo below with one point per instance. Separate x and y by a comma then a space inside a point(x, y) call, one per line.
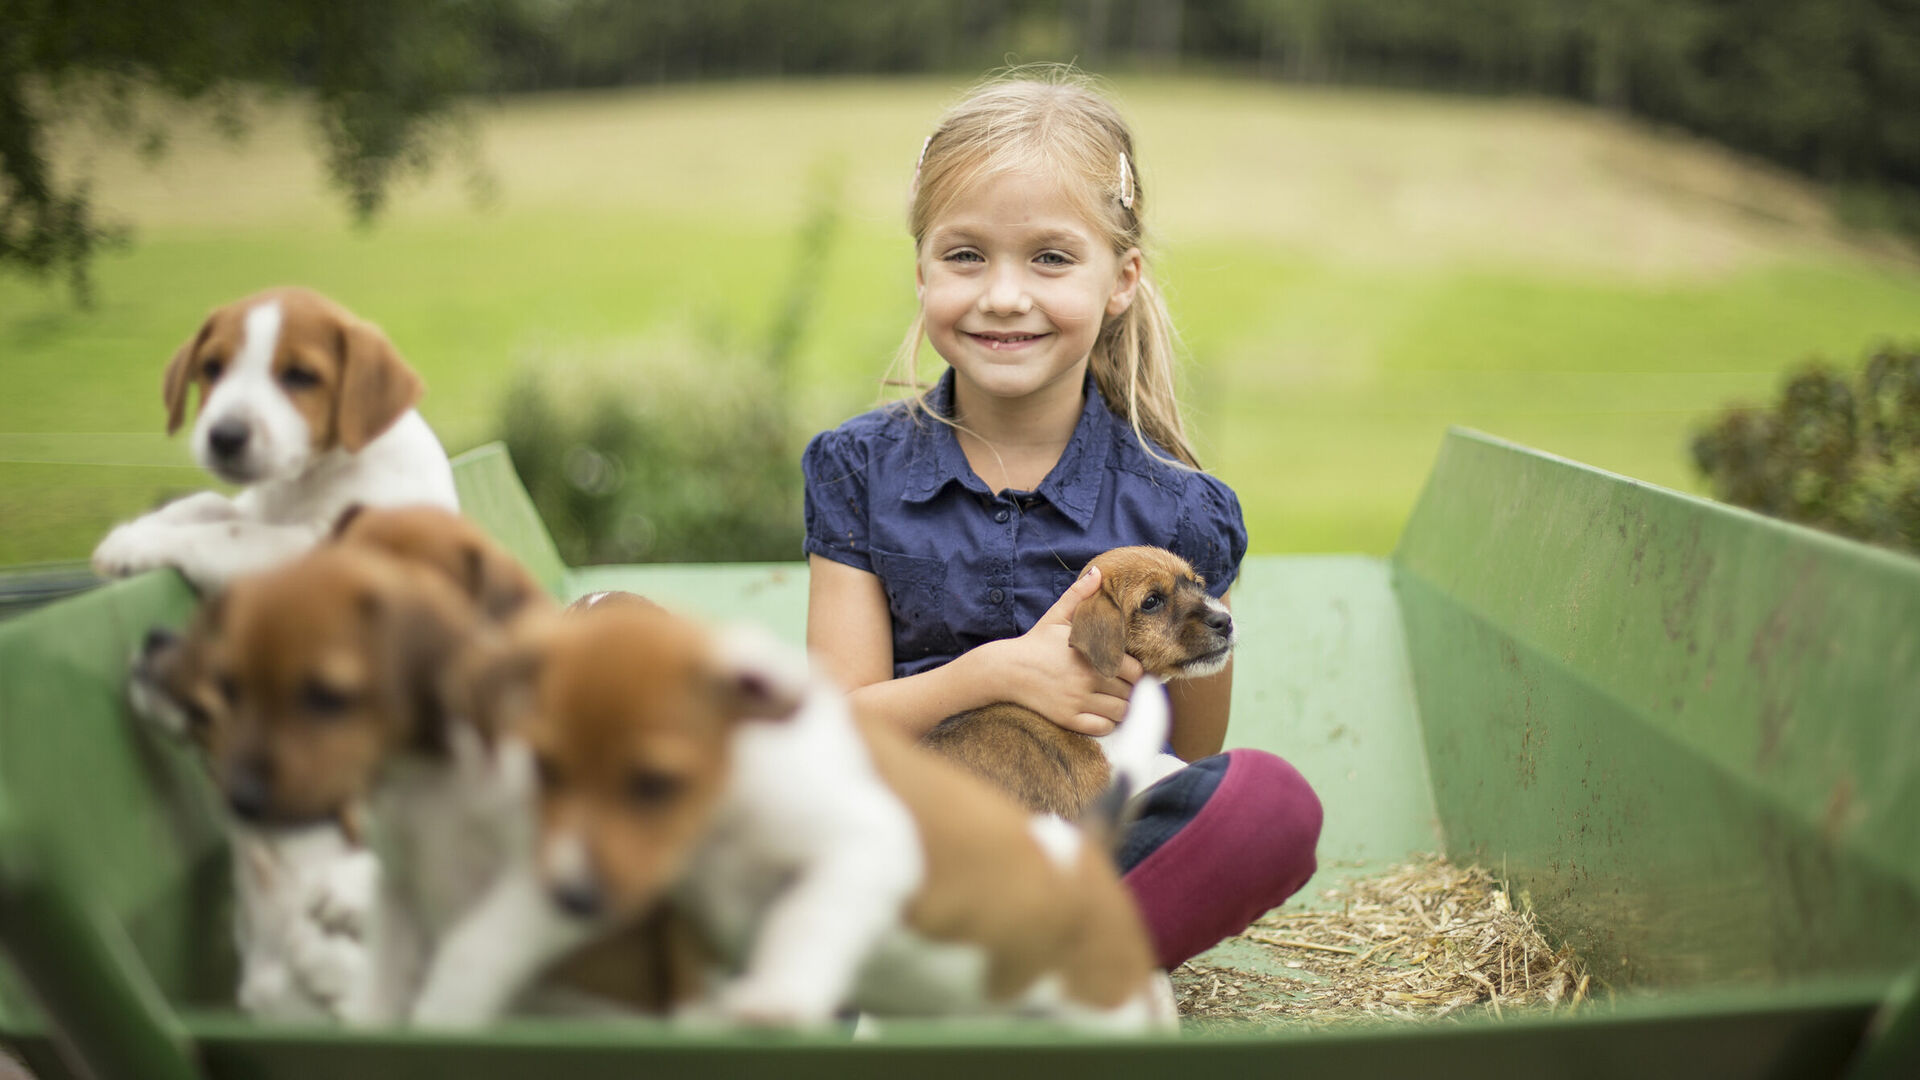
point(943, 533)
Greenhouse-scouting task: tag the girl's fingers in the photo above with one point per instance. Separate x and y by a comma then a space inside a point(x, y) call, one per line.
point(1084, 586)
point(1090, 724)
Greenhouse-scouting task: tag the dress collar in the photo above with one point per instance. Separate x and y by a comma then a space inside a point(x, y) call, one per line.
point(1073, 486)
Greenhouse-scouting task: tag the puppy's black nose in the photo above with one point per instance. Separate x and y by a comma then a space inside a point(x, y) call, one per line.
point(228, 438)
point(581, 899)
point(157, 639)
point(250, 789)
point(1220, 622)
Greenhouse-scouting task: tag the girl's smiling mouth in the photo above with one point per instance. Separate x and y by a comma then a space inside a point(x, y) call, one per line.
point(1004, 341)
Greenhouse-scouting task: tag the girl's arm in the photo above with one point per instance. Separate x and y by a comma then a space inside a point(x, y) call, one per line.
point(851, 632)
point(1200, 714)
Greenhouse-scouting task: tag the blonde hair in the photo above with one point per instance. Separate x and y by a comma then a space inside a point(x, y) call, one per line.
point(1050, 119)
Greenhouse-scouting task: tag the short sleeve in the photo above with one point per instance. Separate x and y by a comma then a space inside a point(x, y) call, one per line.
point(834, 468)
point(1212, 534)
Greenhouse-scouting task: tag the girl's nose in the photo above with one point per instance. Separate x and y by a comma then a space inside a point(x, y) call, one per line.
point(1005, 294)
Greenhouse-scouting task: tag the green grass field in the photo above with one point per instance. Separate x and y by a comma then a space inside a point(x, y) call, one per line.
point(1352, 272)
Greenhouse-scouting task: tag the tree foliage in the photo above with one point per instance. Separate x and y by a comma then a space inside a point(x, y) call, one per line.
point(1830, 88)
point(382, 77)
point(1839, 453)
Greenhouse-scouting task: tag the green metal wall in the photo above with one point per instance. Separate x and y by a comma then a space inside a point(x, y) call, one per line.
point(1691, 733)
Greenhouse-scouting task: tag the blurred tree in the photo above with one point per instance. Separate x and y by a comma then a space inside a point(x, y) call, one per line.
point(383, 77)
point(1836, 454)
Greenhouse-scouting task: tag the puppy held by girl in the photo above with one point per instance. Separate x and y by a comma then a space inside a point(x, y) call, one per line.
point(945, 531)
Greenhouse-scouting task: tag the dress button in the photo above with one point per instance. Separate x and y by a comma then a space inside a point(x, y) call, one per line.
point(1000, 516)
point(996, 596)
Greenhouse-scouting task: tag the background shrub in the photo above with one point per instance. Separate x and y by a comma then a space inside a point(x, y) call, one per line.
point(1837, 452)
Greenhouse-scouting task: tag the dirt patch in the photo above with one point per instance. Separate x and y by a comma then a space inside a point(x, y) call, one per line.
point(1423, 941)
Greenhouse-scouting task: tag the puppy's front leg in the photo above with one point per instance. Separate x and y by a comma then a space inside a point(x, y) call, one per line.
point(820, 932)
point(195, 509)
point(495, 951)
point(211, 554)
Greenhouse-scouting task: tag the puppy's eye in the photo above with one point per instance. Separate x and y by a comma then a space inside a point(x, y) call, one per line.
point(198, 719)
point(229, 690)
point(1154, 602)
point(320, 700)
point(650, 788)
point(299, 378)
point(211, 369)
point(547, 771)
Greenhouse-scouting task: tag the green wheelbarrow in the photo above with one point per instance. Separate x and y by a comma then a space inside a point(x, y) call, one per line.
point(1690, 734)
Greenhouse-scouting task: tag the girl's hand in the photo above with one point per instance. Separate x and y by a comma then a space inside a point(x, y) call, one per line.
point(1041, 671)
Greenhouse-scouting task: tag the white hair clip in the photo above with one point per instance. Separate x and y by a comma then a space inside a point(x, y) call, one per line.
point(1126, 180)
point(913, 188)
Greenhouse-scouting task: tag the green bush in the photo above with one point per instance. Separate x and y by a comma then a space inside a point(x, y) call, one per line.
point(659, 451)
point(1836, 453)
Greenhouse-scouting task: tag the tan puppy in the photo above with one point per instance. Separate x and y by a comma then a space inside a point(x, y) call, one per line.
point(490, 577)
point(334, 672)
point(831, 864)
point(312, 410)
point(1151, 606)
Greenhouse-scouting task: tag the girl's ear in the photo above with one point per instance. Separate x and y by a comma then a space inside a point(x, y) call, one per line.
point(1132, 265)
point(919, 282)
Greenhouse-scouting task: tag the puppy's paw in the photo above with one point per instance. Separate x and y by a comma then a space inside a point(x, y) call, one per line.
point(343, 900)
point(130, 549)
point(759, 1001)
point(330, 970)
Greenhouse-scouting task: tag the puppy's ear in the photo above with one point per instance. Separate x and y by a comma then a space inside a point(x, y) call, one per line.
point(179, 376)
point(756, 676)
point(492, 683)
point(495, 582)
point(376, 386)
point(1100, 631)
point(346, 519)
point(423, 625)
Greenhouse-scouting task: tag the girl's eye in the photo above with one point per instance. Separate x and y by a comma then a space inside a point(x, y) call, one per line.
point(1152, 603)
point(211, 369)
point(297, 378)
point(964, 256)
point(1052, 258)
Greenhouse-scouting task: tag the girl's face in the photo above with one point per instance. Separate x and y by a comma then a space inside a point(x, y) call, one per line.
point(1015, 285)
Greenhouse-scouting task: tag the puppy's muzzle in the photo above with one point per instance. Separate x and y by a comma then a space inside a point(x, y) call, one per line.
point(583, 899)
point(158, 640)
point(250, 789)
point(228, 441)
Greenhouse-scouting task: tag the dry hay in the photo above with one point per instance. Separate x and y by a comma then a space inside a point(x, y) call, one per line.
point(1420, 942)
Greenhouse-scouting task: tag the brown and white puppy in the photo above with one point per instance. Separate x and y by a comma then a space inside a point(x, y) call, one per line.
point(1151, 606)
point(829, 862)
point(312, 410)
point(303, 898)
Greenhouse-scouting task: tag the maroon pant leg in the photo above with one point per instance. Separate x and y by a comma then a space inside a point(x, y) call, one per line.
point(1220, 855)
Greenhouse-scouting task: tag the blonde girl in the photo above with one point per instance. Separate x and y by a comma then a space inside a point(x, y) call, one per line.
point(945, 533)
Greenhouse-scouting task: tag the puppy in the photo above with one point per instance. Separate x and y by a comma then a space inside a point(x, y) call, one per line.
point(334, 669)
point(467, 557)
point(831, 863)
point(308, 407)
point(303, 897)
point(1152, 606)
